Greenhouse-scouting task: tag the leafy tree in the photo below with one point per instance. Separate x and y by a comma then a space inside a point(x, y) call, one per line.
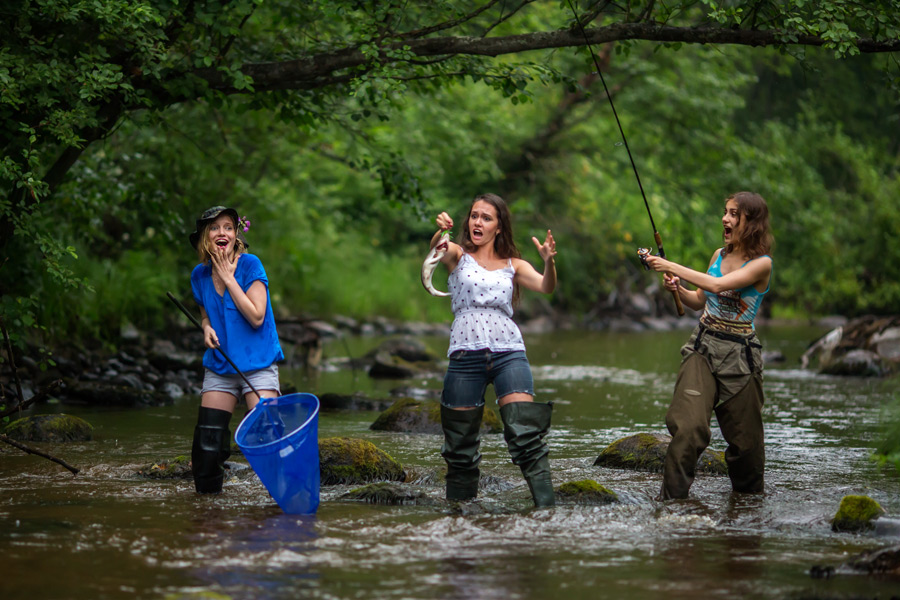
point(74, 72)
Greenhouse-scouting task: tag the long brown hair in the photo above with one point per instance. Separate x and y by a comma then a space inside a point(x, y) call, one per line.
point(504, 244)
point(204, 246)
point(756, 236)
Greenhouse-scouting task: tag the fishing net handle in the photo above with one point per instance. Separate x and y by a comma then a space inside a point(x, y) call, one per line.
point(219, 350)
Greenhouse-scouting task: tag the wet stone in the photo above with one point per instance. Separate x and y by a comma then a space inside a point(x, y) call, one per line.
point(408, 415)
point(50, 428)
point(355, 462)
point(856, 513)
point(647, 452)
point(391, 494)
point(586, 491)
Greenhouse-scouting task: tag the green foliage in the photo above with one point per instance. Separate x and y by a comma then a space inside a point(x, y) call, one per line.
point(888, 450)
point(161, 109)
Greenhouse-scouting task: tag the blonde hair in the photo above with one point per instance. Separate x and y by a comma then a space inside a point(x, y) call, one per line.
point(204, 246)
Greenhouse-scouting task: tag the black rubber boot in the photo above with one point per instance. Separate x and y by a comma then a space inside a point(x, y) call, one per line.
point(524, 426)
point(211, 448)
point(462, 437)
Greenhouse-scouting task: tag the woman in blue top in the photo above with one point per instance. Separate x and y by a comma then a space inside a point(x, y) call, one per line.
point(721, 368)
point(232, 290)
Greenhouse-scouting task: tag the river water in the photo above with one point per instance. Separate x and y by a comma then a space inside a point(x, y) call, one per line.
point(109, 534)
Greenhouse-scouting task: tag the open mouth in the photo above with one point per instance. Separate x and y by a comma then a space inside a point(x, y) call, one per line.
point(727, 231)
point(476, 234)
point(222, 243)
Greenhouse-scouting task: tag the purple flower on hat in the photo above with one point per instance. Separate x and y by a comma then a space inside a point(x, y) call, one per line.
point(244, 223)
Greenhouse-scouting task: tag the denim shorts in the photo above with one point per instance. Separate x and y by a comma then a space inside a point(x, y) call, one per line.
point(231, 383)
point(471, 371)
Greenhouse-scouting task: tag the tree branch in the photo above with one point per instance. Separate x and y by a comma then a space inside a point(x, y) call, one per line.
point(325, 69)
point(30, 450)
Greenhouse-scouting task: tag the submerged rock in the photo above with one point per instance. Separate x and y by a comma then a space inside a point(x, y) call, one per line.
point(647, 452)
point(50, 428)
point(332, 402)
point(388, 366)
point(586, 491)
point(884, 561)
point(408, 415)
point(401, 358)
point(177, 468)
point(392, 494)
point(856, 513)
point(354, 461)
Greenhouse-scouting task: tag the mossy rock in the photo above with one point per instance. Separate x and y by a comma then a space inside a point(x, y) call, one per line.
point(353, 461)
point(586, 491)
point(177, 468)
point(50, 428)
point(408, 415)
point(856, 513)
point(390, 494)
point(647, 452)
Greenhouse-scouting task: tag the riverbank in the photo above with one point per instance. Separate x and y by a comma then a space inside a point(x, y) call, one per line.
point(147, 369)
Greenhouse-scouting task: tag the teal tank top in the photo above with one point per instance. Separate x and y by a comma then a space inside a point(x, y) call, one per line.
point(732, 311)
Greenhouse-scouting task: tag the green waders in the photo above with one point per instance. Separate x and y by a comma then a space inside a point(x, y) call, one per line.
point(723, 374)
point(462, 437)
point(210, 450)
point(524, 426)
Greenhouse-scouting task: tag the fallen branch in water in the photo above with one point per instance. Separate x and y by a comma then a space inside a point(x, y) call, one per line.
point(40, 396)
point(29, 450)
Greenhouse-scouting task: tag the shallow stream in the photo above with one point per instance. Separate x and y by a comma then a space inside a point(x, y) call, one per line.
point(109, 534)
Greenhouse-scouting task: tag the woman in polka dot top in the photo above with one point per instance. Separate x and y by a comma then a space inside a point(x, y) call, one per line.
point(486, 347)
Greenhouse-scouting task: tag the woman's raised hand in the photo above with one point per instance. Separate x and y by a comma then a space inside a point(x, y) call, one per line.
point(222, 265)
point(444, 222)
point(547, 250)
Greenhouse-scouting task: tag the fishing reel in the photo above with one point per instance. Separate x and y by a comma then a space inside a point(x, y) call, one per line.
point(643, 253)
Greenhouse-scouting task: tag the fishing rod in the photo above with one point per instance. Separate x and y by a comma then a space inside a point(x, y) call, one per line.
point(642, 252)
point(219, 350)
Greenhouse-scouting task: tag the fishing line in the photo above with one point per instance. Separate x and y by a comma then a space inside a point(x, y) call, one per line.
point(616, 115)
point(657, 238)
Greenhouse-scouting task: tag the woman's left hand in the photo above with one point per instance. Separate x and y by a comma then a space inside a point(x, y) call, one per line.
point(547, 250)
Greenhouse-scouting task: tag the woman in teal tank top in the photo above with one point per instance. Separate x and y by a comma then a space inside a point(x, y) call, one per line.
point(721, 367)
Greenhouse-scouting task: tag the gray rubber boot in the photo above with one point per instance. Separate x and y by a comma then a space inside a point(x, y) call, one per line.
point(524, 426)
point(210, 450)
point(462, 437)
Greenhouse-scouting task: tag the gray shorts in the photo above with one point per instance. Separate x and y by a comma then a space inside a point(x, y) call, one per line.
point(231, 383)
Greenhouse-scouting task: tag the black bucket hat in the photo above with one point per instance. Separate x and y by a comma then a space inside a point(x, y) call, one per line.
point(211, 214)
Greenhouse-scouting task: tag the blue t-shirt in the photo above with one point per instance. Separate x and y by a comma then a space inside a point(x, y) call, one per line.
point(249, 348)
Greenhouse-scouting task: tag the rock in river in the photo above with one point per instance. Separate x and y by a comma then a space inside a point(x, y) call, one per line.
point(50, 428)
point(408, 415)
point(647, 452)
point(356, 462)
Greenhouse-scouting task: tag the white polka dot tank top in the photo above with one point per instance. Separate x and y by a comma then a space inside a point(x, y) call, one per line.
point(482, 307)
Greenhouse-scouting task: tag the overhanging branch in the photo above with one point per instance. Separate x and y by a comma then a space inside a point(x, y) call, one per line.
point(325, 69)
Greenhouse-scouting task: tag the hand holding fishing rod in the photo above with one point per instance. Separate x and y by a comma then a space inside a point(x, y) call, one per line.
point(657, 238)
point(219, 350)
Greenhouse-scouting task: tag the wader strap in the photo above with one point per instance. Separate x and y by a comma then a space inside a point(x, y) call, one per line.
point(748, 345)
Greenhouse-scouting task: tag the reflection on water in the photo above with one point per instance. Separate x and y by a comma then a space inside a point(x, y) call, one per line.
point(149, 539)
